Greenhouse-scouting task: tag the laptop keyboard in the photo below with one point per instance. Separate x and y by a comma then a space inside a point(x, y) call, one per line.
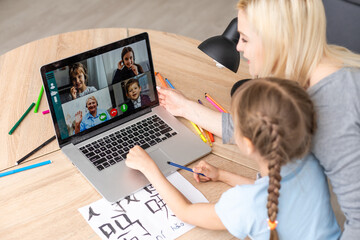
point(113, 148)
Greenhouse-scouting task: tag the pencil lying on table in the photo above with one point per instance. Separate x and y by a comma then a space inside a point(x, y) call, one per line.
point(22, 118)
point(161, 79)
point(214, 103)
point(208, 132)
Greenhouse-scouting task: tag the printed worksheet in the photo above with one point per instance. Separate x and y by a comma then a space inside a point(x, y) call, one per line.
point(142, 215)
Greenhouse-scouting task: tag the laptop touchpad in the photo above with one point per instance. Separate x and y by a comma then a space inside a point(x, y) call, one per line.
point(160, 159)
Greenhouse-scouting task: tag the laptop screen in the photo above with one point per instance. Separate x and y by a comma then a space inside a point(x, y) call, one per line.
point(96, 88)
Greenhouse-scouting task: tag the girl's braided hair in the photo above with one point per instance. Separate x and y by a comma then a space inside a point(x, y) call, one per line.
point(278, 117)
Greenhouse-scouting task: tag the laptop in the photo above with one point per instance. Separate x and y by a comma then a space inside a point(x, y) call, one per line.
point(102, 103)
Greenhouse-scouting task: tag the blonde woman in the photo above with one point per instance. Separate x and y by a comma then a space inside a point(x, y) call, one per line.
point(287, 39)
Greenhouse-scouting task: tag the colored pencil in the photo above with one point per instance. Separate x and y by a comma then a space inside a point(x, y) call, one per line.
point(39, 99)
point(213, 100)
point(25, 168)
point(214, 104)
point(198, 131)
point(194, 125)
point(36, 149)
point(208, 132)
point(22, 118)
point(185, 168)
point(161, 79)
point(168, 82)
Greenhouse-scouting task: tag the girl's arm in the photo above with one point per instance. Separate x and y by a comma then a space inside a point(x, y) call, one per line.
point(199, 214)
point(178, 105)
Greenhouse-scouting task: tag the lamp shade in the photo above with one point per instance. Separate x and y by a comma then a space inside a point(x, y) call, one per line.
point(222, 48)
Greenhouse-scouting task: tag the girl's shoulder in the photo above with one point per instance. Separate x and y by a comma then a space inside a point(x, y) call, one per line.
point(92, 89)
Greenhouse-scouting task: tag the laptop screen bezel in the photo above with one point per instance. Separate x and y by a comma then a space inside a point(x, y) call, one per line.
point(86, 134)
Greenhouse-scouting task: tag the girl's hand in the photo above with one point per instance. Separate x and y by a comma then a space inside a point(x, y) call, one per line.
point(138, 159)
point(173, 100)
point(134, 68)
point(73, 92)
point(120, 64)
point(211, 172)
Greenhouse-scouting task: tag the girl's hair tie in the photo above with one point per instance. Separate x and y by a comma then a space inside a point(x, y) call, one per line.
point(272, 225)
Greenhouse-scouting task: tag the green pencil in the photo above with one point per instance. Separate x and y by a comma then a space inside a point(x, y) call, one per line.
point(22, 117)
point(39, 99)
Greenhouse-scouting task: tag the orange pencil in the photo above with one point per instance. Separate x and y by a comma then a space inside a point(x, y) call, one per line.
point(207, 95)
point(161, 79)
point(204, 133)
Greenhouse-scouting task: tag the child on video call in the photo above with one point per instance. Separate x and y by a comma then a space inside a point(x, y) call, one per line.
point(79, 79)
point(127, 68)
point(274, 122)
point(133, 90)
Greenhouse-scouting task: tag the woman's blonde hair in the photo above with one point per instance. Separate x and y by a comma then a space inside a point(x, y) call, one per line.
point(293, 34)
point(278, 117)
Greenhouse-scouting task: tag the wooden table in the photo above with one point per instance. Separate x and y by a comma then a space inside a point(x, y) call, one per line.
point(42, 203)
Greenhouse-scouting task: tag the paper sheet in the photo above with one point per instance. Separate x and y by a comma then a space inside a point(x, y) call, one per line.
point(142, 215)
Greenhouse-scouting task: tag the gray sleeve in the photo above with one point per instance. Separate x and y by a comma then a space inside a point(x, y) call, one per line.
point(227, 129)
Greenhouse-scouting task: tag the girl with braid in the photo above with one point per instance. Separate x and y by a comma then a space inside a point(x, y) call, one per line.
point(274, 123)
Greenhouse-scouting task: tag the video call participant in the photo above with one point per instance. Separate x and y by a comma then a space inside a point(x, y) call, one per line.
point(133, 90)
point(127, 68)
point(79, 79)
point(94, 117)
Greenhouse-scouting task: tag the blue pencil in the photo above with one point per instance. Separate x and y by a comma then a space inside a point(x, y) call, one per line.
point(183, 167)
point(24, 168)
point(169, 83)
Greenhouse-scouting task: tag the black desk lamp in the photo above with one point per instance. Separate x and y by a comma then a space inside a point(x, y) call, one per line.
point(222, 48)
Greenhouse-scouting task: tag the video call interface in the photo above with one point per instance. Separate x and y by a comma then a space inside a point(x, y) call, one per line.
point(93, 91)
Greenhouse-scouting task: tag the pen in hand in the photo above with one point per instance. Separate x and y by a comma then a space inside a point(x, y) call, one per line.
point(185, 168)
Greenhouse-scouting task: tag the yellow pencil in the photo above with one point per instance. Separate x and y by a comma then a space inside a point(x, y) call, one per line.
point(206, 135)
point(198, 131)
point(194, 125)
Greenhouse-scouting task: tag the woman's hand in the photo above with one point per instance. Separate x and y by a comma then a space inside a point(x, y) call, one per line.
point(138, 159)
point(78, 119)
point(172, 100)
point(211, 172)
point(73, 92)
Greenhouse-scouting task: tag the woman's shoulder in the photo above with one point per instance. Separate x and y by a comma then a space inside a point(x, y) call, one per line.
point(345, 79)
point(341, 75)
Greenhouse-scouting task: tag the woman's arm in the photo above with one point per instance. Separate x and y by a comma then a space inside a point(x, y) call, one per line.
point(199, 214)
point(178, 105)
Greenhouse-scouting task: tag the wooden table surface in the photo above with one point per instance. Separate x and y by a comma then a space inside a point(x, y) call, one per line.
point(42, 204)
